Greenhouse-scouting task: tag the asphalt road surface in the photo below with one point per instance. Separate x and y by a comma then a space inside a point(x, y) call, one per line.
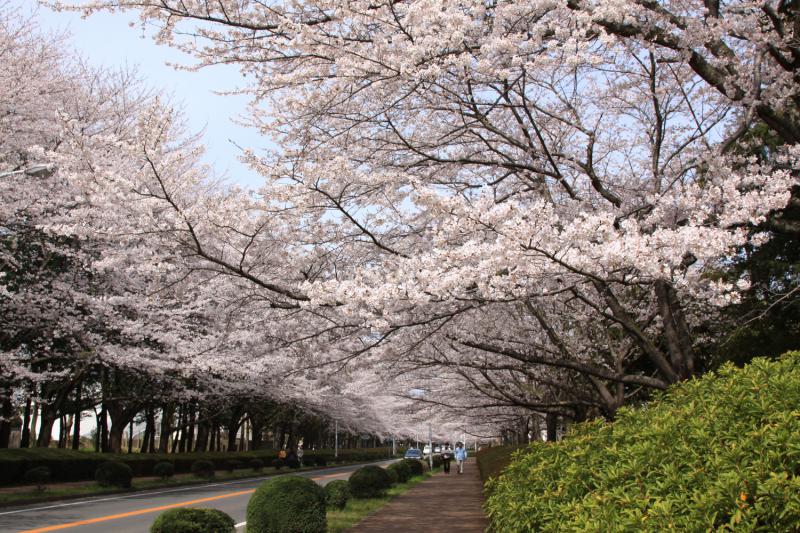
point(134, 513)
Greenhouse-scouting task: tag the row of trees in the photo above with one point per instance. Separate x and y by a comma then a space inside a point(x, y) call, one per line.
point(475, 211)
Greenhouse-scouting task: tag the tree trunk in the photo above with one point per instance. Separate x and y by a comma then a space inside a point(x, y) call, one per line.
point(34, 422)
point(190, 433)
point(552, 427)
point(76, 432)
point(25, 437)
point(104, 436)
point(6, 415)
point(48, 418)
point(676, 330)
point(166, 429)
point(130, 437)
point(115, 436)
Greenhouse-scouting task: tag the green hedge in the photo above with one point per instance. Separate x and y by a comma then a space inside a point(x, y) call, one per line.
point(191, 520)
point(73, 465)
point(287, 504)
point(718, 453)
point(492, 461)
point(369, 482)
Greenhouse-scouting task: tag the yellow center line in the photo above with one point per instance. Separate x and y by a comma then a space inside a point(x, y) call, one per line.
point(153, 509)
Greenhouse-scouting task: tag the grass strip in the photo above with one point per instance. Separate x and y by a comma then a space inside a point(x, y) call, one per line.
point(357, 509)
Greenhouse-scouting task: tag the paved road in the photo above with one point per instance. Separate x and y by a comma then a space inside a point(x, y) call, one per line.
point(134, 513)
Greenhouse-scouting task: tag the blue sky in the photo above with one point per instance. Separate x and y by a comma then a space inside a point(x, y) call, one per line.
point(107, 40)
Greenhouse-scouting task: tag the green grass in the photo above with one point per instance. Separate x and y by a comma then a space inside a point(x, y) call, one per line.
point(357, 509)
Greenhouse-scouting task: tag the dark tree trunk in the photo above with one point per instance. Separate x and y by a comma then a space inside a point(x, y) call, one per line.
point(552, 426)
point(676, 330)
point(130, 437)
point(104, 437)
point(45, 433)
point(190, 433)
point(115, 436)
point(76, 431)
point(7, 414)
point(166, 429)
point(232, 431)
point(25, 438)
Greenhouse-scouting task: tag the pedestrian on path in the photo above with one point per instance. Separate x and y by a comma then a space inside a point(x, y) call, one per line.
point(300, 454)
point(461, 456)
point(447, 456)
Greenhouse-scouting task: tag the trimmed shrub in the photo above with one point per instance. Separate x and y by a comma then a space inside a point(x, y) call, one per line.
point(277, 463)
point(320, 460)
point(203, 468)
point(337, 493)
point(402, 470)
point(114, 474)
point(393, 477)
point(293, 462)
point(287, 504)
point(39, 476)
point(256, 465)
point(416, 466)
point(437, 461)
point(233, 464)
point(369, 482)
point(717, 453)
point(491, 461)
point(190, 520)
point(164, 470)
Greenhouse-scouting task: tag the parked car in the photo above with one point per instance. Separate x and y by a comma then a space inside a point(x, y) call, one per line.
point(437, 449)
point(413, 453)
point(426, 451)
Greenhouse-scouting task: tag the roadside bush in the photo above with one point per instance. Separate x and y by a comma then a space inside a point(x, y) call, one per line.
point(287, 504)
point(277, 463)
point(402, 470)
point(114, 474)
point(203, 468)
point(233, 464)
point(190, 520)
point(393, 477)
point(337, 493)
point(711, 454)
point(164, 470)
point(491, 461)
point(39, 476)
point(416, 466)
point(293, 463)
point(369, 482)
point(256, 465)
point(437, 461)
point(320, 460)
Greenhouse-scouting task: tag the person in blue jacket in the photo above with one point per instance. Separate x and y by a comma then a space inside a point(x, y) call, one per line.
point(461, 456)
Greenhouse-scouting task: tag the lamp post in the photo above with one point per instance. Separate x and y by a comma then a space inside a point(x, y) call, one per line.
point(430, 447)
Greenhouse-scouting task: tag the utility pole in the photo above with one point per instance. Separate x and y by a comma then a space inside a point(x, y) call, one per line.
point(336, 441)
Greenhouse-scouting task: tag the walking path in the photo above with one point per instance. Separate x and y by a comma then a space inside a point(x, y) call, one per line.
point(444, 503)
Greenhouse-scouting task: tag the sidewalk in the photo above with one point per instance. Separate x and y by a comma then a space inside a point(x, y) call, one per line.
point(443, 503)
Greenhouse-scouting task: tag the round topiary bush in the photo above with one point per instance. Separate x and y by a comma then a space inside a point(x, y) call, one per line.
point(369, 482)
point(114, 474)
point(39, 476)
point(337, 493)
point(256, 465)
point(189, 520)
point(203, 468)
point(277, 463)
point(437, 461)
point(233, 464)
point(287, 504)
point(402, 470)
point(393, 477)
point(164, 470)
point(416, 466)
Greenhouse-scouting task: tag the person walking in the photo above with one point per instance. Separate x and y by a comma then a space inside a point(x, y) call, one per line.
point(300, 454)
point(447, 456)
point(461, 456)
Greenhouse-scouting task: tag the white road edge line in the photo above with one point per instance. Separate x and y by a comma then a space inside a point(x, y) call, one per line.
point(180, 489)
point(240, 524)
